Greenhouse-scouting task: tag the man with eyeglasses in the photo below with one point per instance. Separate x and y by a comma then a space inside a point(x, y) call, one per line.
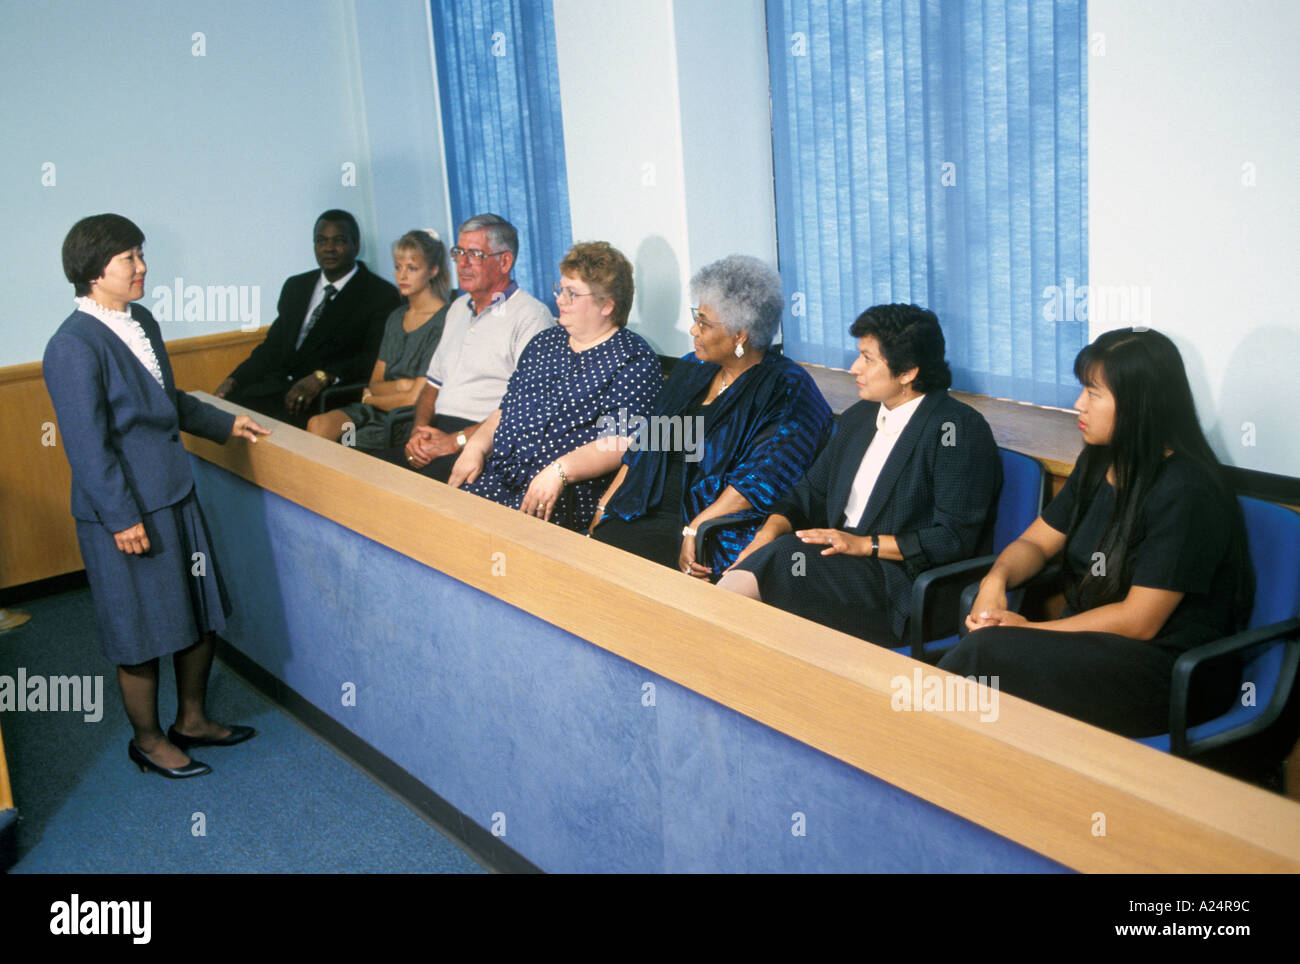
point(327, 329)
point(486, 331)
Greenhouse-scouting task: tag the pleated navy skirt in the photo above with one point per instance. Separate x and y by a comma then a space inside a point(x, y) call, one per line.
point(160, 602)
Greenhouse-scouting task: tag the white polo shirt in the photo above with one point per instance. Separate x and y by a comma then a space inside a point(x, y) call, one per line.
point(478, 353)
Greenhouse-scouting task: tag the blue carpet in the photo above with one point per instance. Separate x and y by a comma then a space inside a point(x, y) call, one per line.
point(281, 803)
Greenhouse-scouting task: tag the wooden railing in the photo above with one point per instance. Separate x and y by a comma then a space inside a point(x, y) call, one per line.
point(1084, 797)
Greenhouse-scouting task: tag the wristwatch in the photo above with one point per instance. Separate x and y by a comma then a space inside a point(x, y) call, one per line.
point(875, 546)
point(323, 378)
point(461, 439)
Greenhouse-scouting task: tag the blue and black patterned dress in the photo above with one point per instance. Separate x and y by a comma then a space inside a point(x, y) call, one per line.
point(759, 437)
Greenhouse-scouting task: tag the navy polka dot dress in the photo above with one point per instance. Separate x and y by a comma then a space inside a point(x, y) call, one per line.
point(558, 400)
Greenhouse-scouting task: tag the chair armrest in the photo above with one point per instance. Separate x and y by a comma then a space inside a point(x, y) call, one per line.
point(1187, 663)
point(933, 578)
point(712, 527)
point(324, 399)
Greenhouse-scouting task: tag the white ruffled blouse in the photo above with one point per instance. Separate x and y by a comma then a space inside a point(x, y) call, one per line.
point(129, 330)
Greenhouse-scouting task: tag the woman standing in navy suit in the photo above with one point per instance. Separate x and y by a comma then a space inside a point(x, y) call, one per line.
point(141, 533)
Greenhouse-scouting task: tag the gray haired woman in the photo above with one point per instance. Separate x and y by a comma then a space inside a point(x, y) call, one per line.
point(734, 429)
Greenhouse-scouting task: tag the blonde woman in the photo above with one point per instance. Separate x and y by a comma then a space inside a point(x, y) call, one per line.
point(411, 336)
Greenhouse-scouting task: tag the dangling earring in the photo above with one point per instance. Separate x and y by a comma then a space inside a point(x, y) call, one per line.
point(740, 349)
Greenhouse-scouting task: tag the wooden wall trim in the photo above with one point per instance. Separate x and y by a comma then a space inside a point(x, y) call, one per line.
point(1032, 775)
point(244, 340)
point(6, 790)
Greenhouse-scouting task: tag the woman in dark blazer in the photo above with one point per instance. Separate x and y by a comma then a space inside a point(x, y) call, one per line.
point(732, 431)
point(907, 483)
point(141, 533)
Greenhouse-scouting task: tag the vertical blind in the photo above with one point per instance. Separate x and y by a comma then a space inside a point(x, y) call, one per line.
point(499, 89)
point(935, 152)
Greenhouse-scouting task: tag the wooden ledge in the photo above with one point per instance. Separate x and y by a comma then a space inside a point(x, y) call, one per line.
point(1033, 776)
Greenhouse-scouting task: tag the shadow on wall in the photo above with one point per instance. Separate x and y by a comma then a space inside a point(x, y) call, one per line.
point(1252, 424)
point(657, 306)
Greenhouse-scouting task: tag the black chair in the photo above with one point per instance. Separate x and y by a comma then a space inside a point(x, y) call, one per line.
point(934, 627)
point(1269, 647)
point(337, 396)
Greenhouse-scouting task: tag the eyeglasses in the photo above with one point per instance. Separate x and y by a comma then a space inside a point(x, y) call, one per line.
point(699, 318)
point(474, 254)
point(568, 294)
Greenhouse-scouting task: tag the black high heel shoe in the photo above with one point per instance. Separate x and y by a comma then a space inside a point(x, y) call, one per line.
point(238, 734)
point(193, 769)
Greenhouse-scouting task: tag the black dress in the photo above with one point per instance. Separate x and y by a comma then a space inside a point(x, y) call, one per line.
point(1181, 543)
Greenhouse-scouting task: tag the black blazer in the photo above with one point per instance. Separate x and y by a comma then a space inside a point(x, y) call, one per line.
point(936, 493)
point(344, 341)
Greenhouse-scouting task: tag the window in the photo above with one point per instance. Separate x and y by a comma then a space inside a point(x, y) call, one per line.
point(500, 94)
point(935, 152)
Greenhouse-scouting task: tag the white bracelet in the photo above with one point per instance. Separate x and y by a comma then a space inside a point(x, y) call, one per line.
point(688, 531)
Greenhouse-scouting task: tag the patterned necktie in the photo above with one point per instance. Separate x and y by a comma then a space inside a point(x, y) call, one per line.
point(330, 292)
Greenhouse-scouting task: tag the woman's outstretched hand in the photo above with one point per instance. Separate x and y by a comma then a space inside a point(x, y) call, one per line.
point(245, 427)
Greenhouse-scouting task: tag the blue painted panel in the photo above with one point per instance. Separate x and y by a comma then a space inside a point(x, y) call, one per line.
point(499, 712)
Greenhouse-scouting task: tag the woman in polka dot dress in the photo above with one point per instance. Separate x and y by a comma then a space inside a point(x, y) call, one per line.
point(553, 445)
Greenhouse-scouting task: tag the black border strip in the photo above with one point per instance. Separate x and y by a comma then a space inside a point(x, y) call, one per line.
point(8, 839)
point(26, 591)
point(1264, 485)
point(487, 849)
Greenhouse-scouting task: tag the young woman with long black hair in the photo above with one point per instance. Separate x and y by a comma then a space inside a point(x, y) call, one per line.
point(1154, 547)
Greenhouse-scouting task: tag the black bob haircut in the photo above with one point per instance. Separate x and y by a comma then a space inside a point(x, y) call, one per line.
point(910, 337)
point(92, 243)
point(337, 216)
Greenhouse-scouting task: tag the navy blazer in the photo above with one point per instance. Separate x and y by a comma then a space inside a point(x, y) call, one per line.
point(120, 428)
point(936, 493)
point(344, 341)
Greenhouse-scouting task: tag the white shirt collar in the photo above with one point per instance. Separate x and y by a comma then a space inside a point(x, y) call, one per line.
point(338, 285)
point(893, 422)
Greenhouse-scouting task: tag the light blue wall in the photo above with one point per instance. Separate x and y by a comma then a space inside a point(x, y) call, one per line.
point(668, 142)
point(224, 159)
point(1195, 203)
point(402, 122)
point(726, 129)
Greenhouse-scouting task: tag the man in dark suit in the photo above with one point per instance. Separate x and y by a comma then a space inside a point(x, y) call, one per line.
point(328, 327)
